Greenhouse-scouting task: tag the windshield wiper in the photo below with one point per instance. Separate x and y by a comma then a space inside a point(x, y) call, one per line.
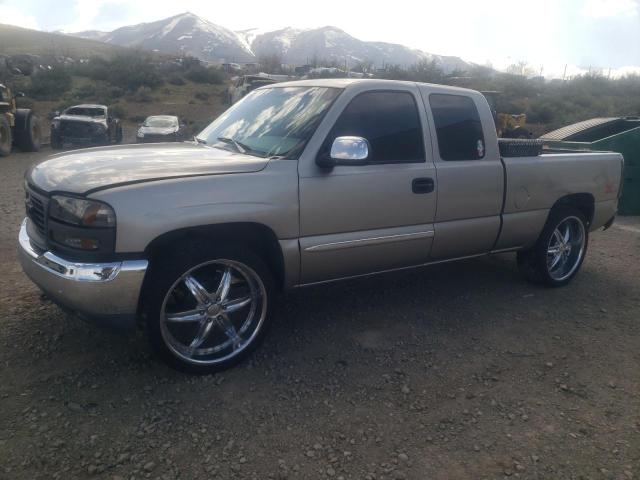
point(239, 146)
point(200, 141)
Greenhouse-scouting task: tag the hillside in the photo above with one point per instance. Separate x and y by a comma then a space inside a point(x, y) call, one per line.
point(16, 41)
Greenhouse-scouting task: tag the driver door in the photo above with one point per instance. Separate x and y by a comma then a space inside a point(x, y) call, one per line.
point(362, 219)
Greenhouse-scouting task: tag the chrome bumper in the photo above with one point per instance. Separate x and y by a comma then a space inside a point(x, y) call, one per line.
point(106, 293)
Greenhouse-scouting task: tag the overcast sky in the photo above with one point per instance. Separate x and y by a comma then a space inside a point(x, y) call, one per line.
point(546, 33)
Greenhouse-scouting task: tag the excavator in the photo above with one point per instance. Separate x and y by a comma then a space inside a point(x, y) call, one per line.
point(508, 125)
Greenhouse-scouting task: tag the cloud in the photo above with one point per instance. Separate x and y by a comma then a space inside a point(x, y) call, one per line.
point(13, 16)
point(611, 8)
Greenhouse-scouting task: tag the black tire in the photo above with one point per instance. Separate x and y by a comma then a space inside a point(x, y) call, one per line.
point(56, 141)
point(518, 132)
point(166, 276)
point(28, 132)
point(5, 137)
point(534, 263)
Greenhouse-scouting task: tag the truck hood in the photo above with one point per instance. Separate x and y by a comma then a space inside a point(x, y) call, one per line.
point(92, 169)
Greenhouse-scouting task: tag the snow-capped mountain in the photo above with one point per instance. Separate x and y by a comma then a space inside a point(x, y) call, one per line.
point(200, 38)
point(330, 43)
point(186, 33)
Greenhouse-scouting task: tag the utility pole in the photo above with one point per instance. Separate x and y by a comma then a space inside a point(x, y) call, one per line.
point(564, 75)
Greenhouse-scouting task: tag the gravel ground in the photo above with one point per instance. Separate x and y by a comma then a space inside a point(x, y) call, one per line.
point(459, 371)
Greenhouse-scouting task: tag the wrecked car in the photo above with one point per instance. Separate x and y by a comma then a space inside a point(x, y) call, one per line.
point(85, 125)
point(161, 128)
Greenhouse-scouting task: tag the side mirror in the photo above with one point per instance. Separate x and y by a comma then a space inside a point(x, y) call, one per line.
point(346, 151)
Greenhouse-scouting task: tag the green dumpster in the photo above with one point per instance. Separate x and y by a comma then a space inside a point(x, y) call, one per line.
point(618, 134)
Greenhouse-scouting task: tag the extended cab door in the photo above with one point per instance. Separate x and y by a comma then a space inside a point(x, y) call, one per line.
point(469, 172)
point(378, 216)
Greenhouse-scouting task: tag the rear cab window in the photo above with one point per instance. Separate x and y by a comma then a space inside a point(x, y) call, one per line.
point(458, 127)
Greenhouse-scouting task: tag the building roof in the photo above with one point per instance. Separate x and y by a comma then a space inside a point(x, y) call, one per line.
point(570, 130)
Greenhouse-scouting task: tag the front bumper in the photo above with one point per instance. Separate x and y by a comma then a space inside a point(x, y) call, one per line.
point(104, 293)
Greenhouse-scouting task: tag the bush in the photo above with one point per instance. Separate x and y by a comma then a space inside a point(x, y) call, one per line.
point(24, 102)
point(176, 79)
point(200, 74)
point(114, 93)
point(204, 96)
point(85, 91)
point(118, 111)
point(128, 71)
point(50, 84)
point(142, 95)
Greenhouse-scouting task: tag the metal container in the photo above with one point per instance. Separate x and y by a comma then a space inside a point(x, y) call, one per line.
point(617, 134)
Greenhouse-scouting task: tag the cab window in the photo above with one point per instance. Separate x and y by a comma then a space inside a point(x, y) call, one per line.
point(389, 120)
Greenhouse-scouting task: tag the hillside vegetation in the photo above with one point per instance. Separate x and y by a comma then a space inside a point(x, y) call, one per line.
point(134, 84)
point(17, 41)
point(548, 104)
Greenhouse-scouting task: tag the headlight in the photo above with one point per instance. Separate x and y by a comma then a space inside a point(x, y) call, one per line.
point(55, 124)
point(82, 212)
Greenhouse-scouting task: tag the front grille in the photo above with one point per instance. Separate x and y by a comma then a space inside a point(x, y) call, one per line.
point(36, 206)
point(76, 129)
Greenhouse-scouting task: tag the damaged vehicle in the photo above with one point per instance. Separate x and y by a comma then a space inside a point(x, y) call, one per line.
point(161, 128)
point(85, 125)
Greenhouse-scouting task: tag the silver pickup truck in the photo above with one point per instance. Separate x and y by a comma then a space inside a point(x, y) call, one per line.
point(299, 183)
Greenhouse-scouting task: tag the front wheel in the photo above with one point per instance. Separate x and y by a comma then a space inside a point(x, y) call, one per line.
point(5, 136)
point(208, 308)
point(559, 252)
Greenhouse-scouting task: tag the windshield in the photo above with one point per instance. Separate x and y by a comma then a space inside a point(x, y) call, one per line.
point(276, 121)
point(85, 111)
point(160, 122)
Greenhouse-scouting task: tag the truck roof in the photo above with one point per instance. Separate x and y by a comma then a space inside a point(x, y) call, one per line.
point(88, 105)
point(373, 82)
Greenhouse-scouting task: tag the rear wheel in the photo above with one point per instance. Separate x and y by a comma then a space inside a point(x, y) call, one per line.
point(29, 136)
point(208, 308)
point(559, 252)
point(5, 137)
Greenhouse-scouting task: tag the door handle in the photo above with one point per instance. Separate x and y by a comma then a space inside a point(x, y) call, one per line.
point(422, 185)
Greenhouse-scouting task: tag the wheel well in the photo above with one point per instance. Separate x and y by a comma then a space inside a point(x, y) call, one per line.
point(259, 238)
point(582, 201)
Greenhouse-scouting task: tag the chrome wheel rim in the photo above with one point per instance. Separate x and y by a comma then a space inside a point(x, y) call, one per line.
point(213, 312)
point(566, 248)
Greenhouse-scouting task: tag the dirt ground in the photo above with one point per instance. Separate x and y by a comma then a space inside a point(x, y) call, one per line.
point(458, 371)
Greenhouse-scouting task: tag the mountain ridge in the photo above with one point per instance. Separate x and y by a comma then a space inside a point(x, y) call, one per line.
point(190, 34)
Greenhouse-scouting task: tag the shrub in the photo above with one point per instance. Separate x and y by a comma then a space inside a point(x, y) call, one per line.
point(176, 79)
point(142, 95)
point(24, 102)
point(50, 84)
point(85, 91)
point(114, 93)
point(129, 71)
point(118, 111)
point(204, 96)
point(137, 118)
point(201, 74)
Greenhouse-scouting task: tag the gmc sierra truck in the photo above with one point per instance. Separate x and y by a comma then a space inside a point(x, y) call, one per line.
point(300, 183)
